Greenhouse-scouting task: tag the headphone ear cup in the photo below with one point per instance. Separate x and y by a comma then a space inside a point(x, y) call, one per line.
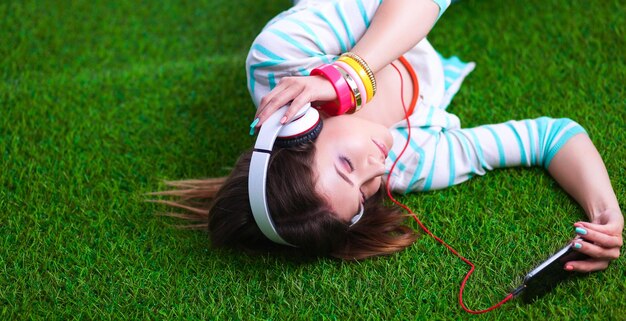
point(301, 139)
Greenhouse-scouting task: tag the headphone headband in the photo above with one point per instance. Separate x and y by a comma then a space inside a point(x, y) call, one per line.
point(304, 120)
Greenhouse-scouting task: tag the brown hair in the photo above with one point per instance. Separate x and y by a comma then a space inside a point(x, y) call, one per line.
point(300, 215)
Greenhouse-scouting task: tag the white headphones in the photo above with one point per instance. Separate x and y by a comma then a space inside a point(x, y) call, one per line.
point(306, 126)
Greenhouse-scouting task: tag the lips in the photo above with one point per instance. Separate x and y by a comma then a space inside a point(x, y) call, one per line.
point(382, 147)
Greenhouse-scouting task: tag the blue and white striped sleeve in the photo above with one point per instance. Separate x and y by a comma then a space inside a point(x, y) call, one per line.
point(443, 5)
point(303, 38)
point(449, 157)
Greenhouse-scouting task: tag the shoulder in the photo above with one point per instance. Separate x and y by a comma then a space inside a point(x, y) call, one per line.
point(316, 27)
point(312, 33)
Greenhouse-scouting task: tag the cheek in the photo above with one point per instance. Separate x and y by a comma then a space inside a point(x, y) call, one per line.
point(357, 138)
point(345, 143)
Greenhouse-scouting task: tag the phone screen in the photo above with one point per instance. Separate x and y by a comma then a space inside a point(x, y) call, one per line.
point(550, 273)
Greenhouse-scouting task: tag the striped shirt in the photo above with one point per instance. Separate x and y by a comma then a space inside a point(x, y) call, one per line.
point(316, 32)
point(440, 152)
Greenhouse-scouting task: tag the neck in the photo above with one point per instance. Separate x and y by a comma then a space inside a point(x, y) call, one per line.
point(386, 107)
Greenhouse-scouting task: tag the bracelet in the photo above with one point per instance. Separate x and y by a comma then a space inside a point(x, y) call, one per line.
point(342, 89)
point(365, 66)
point(356, 95)
point(365, 79)
point(357, 81)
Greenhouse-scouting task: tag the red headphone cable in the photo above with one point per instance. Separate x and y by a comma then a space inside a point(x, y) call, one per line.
point(426, 230)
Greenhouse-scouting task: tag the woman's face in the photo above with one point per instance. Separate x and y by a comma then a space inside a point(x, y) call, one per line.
point(350, 161)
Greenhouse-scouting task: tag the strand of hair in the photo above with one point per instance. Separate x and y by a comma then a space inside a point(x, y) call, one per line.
point(178, 205)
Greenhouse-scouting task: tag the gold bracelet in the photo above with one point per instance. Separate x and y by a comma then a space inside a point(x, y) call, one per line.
point(365, 66)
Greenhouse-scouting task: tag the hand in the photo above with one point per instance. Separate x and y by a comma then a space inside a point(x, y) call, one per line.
point(601, 240)
point(295, 90)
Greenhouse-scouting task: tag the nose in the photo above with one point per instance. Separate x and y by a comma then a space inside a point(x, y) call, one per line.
point(373, 168)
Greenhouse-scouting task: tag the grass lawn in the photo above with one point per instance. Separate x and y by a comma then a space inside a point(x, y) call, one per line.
point(102, 101)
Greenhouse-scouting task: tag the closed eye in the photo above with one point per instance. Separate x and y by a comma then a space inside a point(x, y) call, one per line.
point(348, 163)
point(349, 167)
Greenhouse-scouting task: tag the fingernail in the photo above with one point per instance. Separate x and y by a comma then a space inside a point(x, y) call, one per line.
point(283, 120)
point(581, 231)
point(578, 245)
point(569, 267)
point(253, 126)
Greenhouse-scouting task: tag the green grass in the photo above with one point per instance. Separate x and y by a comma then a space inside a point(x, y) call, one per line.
point(101, 101)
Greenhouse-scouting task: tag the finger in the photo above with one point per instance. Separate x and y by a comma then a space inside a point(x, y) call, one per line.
point(295, 106)
point(603, 228)
point(596, 251)
point(272, 106)
point(273, 98)
point(270, 99)
point(586, 266)
point(599, 238)
point(267, 99)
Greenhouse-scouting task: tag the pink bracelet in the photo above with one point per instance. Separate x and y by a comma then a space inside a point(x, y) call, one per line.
point(356, 95)
point(356, 78)
point(344, 93)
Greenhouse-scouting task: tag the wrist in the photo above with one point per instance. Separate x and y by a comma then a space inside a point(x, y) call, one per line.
point(606, 216)
point(345, 100)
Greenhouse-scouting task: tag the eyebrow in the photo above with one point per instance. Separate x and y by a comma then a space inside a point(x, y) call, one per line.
point(345, 178)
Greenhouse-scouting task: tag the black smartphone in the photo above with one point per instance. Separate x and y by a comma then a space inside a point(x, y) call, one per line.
point(549, 274)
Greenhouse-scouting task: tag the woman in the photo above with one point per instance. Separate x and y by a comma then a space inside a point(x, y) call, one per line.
point(316, 189)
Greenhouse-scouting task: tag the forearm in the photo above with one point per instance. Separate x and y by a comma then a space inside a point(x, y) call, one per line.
point(580, 171)
point(397, 26)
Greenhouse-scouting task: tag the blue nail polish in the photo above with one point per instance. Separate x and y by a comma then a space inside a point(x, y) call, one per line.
point(578, 245)
point(252, 126)
point(581, 231)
